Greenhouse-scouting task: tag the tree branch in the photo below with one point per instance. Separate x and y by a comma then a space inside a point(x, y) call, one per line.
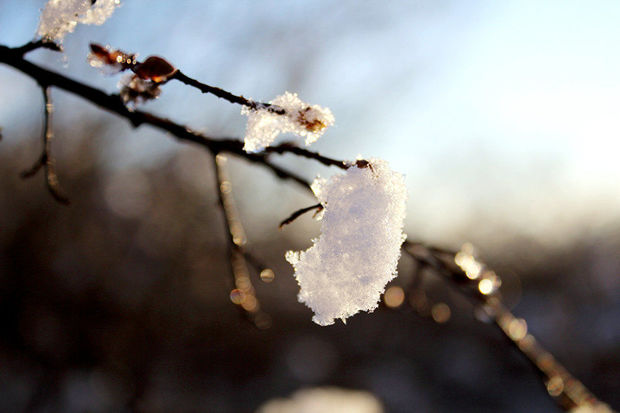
point(113, 103)
point(38, 44)
point(300, 212)
point(288, 147)
point(566, 390)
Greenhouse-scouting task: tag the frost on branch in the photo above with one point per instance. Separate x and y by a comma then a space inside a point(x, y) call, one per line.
point(134, 90)
point(347, 268)
point(60, 17)
point(302, 119)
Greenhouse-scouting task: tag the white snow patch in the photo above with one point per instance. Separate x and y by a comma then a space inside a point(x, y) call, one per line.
point(264, 126)
point(591, 408)
point(324, 399)
point(60, 17)
point(347, 268)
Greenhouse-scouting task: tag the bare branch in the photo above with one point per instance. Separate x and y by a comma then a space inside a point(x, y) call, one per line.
point(289, 147)
point(46, 160)
point(223, 94)
point(300, 212)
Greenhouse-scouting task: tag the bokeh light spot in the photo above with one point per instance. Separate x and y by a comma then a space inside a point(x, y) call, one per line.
point(236, 296)
point(267, 275)
point(441, 313)
point(394, 296)
point(485, 286)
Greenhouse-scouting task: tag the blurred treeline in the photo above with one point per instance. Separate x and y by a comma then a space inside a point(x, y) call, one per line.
point(119, 302)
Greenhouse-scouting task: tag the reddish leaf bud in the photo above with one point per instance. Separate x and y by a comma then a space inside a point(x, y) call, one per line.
point(154, 68)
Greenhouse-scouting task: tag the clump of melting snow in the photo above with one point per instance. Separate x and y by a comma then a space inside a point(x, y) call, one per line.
point(347, 268)
point(60, 17)
point(300, 118)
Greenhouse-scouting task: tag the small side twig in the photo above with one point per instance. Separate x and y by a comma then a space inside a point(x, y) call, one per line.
point(38, 44)
point(288, 147)
point(300, 212)
point(243, 293)
point(46, 161)
point(221, 93)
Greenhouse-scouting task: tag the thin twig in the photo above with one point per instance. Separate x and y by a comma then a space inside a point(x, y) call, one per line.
point(288, 147)
point(221, 93)
point(46, 160)
point(243, 293)
point(300, 212)
point(38, 44)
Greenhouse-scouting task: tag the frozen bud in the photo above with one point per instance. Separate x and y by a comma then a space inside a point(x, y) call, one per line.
point(300, 118)
point(347, 268)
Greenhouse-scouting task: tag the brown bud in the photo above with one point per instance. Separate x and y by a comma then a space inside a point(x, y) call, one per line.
point(154, 68)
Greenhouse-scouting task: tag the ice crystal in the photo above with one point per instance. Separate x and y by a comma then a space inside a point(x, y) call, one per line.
point(347, 268)
point(324, 399)
point(60, 17)
point(300, 118)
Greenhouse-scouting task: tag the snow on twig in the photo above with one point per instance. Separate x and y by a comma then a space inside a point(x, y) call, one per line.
point(347, 268)
point(264, 125)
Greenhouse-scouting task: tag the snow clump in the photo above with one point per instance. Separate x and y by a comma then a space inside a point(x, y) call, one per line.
point(264, 125)
point(324, 399)
point(60, 17)
point(347, 268)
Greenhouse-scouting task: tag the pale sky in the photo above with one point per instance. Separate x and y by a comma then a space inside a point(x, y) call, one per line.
point(499, 113)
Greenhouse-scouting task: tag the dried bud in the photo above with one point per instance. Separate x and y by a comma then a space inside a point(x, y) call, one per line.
point(309, 120)
point(362, 163)
point(113, 61)
point(155, 68)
